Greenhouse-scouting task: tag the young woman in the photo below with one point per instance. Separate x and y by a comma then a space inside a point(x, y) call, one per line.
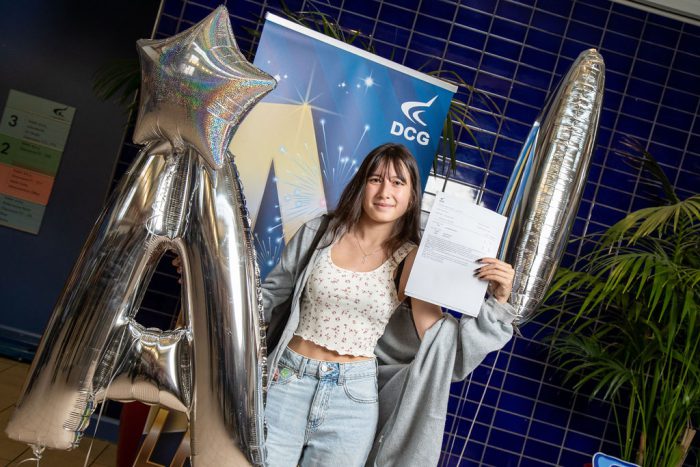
point(322, 403)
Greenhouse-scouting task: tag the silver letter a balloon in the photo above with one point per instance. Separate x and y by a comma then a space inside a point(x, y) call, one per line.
point(544, 192)
point(181, 193)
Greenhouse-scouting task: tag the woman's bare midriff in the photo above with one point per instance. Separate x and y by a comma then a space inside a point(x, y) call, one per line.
point(318, 352)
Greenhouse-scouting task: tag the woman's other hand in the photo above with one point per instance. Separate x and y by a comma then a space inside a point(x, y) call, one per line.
point(500, 276)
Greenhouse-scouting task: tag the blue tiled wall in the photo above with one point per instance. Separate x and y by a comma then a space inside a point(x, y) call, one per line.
point(516, 52)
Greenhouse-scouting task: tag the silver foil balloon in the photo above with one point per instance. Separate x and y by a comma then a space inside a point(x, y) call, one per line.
point(545, 189)
point(214, 367)
point(196, 88)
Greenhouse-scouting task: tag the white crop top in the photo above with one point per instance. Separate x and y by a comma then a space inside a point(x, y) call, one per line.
point(347, 311)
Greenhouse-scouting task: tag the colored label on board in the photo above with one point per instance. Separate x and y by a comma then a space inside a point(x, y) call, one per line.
point(25, 184)
point(37, 120)
point(29, 155)
point(20, 214)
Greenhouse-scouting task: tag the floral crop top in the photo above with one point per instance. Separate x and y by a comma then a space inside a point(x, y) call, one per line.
point(347, 311)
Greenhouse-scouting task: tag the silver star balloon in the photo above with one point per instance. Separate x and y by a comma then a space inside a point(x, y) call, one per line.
point(196, 87)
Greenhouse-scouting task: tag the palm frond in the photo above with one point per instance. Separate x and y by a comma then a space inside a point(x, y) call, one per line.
point(639, 157)
point(459, 115)
point(653, 220)
point(118, 80)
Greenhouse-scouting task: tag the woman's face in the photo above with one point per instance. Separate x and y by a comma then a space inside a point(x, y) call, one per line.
point(387, 193)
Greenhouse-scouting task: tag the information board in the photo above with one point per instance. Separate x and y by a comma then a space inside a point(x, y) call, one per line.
point(33, 133)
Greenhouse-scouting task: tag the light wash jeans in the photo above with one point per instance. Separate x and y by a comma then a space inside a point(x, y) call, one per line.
point(321, 413)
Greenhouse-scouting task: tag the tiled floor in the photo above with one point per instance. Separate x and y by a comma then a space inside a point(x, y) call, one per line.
point(12, 374)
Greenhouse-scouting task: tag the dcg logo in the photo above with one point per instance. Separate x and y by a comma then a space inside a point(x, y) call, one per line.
point(413, 110)
point(410, 133)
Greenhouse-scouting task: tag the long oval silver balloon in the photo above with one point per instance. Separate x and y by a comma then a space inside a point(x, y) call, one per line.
point(545, 189)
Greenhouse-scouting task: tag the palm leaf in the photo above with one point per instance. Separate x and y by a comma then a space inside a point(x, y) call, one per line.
point(639, 157)
point(118, 80)
point(648, 221)
point(459, 115)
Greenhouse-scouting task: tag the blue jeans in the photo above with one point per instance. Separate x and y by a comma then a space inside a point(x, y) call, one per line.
point(321, 413)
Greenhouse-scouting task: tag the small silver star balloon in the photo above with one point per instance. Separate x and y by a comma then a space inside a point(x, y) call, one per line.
point(196, 87)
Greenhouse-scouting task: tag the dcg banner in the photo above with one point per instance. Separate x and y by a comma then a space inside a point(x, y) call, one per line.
point(334, 103)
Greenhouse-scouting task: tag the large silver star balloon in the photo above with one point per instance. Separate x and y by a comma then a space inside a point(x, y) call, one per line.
point(196, 87)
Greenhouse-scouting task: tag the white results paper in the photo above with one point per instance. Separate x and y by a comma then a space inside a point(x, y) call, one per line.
point(458, 233)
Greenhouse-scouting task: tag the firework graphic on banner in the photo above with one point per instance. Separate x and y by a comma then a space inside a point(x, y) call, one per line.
point(268, 233)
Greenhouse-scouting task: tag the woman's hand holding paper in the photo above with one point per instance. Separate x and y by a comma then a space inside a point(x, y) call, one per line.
point(500, 276)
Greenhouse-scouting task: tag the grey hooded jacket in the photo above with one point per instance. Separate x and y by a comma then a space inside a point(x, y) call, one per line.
point(414, 376)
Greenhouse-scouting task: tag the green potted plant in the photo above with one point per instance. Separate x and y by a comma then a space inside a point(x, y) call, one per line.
point(630, 328)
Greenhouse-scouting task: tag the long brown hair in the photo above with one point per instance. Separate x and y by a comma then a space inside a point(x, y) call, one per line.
point(347, 214)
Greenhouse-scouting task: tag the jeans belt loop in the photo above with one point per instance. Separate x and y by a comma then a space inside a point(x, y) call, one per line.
point(302, 367)
point(341, 373)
